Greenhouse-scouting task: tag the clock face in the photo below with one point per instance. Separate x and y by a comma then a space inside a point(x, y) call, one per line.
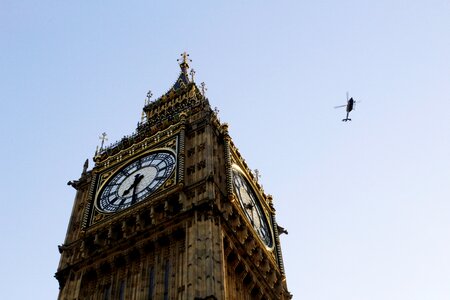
point(250, 205)
point(136, 181)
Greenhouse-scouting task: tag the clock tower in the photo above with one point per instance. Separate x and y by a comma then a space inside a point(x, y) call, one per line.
point(172, 211)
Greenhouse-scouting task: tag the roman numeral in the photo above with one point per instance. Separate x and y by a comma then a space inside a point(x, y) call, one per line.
point(163, 168)
point(139, 164)
point(113, 201)
point(122, 201)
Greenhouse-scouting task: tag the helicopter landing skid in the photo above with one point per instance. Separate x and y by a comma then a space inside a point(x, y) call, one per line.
point(346, 119)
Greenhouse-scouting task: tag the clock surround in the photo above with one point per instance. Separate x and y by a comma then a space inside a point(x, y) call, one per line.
point(135, 181)
point(252, 206)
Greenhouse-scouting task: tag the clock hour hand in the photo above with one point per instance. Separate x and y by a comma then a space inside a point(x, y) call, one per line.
point(248, 206)
point(137, 178)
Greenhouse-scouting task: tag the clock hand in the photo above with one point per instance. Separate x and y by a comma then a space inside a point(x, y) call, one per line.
point(248, 206)
point(137, 178)
point(133, 197)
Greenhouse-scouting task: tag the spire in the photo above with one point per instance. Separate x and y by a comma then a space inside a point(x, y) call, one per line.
point(184, 65)
point(183, 79)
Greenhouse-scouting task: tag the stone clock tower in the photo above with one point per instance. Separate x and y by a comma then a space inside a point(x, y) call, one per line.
point(172, 212)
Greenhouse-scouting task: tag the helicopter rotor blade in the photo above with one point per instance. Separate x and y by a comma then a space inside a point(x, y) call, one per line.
point(340, 106)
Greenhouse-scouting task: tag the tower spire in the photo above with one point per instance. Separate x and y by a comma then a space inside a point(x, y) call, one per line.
point(184, 64)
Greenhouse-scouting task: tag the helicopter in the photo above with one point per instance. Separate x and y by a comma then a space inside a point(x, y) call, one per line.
point(349, 107)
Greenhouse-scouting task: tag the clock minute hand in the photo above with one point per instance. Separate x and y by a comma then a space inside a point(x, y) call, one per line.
point(248, 206)
point(133, 197)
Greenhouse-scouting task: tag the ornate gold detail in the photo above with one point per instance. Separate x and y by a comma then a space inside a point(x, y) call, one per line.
point(169, 182)
point(136, 148)
point(232, 198)
point(170, 144)
point(192, 92)
point(98, 217)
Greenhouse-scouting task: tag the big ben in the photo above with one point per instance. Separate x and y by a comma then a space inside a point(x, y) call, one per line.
point(172, 211)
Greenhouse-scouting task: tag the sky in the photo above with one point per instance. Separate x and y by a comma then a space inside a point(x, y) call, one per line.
point(366, 203)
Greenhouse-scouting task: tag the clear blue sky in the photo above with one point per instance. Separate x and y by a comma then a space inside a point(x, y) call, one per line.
point(366, 203)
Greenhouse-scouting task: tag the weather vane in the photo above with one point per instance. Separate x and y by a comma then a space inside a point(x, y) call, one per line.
point(103, 138)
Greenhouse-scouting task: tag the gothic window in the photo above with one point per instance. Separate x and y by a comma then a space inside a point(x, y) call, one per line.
point(191, 170)
point(201, 165)
point(191, 152)
point(201, 147)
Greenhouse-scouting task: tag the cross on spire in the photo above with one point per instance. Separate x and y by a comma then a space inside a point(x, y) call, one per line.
point(149, 95)
point(103, 138)
point(184, 65)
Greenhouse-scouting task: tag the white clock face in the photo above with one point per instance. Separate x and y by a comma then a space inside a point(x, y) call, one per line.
point(136, 181)
point(251, 207)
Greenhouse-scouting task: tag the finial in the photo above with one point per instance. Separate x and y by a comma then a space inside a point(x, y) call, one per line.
point(85, 167)
point(204, 89)
point(192, 74)
point(184, 65)
point(257, 174)
point(149, 95)
point(103, 138)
